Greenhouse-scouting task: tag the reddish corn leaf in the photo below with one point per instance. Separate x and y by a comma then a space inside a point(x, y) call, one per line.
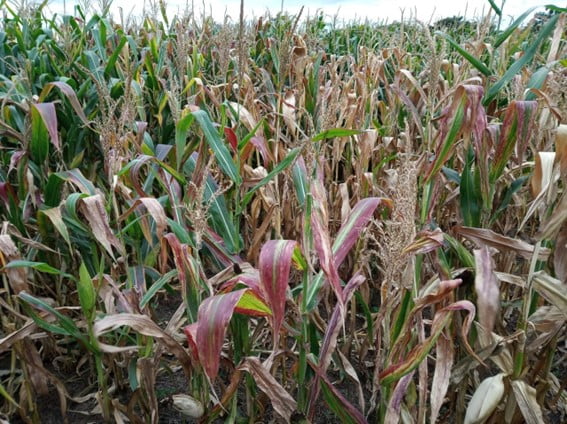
point(350, 231)
point(231, 137)
point(68, 91)
point(464, 116)
point(179, 250)
point(340, 405)
point(17, 277)
point(191, 334)
point(214, 316)
point(440, 321)
point(260, 144)
point(487, 288)
point(331, 334)
point(274, 265)
point(281, 400)
point(7, 194)
point(49, 116)
point(516, 131)
point(322, 240)
point(426, 241)
point(250, 278)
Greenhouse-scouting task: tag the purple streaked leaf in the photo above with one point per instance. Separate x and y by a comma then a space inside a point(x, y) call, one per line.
point(331, 334)
point(516, 132)
point(274, 265)
point(350, 231)
point(340, 405)
point(68, 91)
point(214, 316)
point(466, 115)
point(322, 239)
point(395, 404)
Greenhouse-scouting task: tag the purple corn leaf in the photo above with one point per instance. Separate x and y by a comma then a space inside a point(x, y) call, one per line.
point(350, 231)
point(275, 264)
point(68, 91)
point(331, 334)
point(464, 116)
point(395, 404)
point(322, 243)
point(516, 132)
point(346, 410)
point(214, 316)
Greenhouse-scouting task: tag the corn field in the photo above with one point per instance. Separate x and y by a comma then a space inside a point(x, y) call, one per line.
point(282, 219)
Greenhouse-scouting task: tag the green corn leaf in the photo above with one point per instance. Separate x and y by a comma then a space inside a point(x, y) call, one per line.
point(181, 130)
point(222, 154)
point(157, 286)
point(287, 161)
point(44, 125)
point(470, 199)
point(504, 36)
point(496, 9)
point(537, 80)
point(87, 294)
point(335, 132)
point(481, 67)
point(38, 266)
point(517, 66)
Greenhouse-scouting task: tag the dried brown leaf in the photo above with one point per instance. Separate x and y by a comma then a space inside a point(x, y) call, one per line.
point(487, 288)
point(442, 374)
point(93, 210)
point(560, 255)
point(526, 397)
point(281, 400)
point(17, 277)
point(482, 236)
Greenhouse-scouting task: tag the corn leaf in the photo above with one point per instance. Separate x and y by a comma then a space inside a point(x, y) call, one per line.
point(526, 58)
point(222, 154)
point(274, 265)
point(285, 163)
point(214, 316)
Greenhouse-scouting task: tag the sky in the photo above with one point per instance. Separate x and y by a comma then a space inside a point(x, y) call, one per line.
point(374, 10)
